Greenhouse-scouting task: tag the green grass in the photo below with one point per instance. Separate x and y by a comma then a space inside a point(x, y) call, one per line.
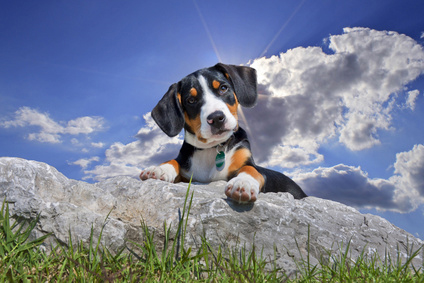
point(22, 261)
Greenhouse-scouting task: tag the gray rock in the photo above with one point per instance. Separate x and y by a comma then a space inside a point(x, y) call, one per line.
point(282, 228)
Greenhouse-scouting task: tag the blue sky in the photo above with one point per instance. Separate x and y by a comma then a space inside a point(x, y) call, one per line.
point(341, 89)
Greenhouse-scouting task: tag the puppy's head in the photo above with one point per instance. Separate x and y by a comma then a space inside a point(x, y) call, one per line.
point(205, 104)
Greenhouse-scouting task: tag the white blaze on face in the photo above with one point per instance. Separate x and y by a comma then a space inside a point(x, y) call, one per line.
point(210, 105)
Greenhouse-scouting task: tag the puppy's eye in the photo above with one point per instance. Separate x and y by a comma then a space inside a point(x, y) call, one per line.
point(191, 100)
point(222, 89)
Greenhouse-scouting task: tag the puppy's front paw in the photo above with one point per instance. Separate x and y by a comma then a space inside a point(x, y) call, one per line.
point(243, 188)
point(164, 172)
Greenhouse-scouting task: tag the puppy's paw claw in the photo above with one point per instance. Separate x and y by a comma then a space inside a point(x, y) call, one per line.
point(163, 172)
point(243, 188)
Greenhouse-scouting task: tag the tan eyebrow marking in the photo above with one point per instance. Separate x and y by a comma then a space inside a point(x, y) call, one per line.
point(193, 91)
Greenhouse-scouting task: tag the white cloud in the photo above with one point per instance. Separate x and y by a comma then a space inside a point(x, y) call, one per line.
point(402, 192)
point(347, 184)
point(26, 116)
point(152, 147)
point(50, 130)
point(310, 96)
point(85, 162)
point(97, 144)
point(410, 165)
point(412, 97)
point(293, 156)
point(84, 125)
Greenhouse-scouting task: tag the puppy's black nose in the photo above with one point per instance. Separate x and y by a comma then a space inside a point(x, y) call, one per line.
point(216, 119)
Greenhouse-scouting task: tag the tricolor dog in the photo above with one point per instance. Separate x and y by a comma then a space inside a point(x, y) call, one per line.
point(215, 148)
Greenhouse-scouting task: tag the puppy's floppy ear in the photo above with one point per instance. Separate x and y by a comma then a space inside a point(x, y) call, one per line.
point(168, 113)
point(244, 82)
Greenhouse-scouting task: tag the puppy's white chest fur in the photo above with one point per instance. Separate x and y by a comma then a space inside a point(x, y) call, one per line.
point(203, 167)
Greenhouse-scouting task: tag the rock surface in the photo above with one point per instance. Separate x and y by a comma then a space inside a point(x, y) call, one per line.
point(276, 223)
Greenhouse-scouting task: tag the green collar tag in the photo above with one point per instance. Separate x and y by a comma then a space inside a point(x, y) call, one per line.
point(220, 160)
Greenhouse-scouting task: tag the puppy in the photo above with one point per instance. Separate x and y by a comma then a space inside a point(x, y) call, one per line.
point(215, 148)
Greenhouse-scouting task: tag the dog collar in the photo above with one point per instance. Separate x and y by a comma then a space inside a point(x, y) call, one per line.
point(220, 145)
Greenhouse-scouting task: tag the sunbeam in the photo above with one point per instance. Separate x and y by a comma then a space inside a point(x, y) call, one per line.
point(282, 28)
point(207, 31)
